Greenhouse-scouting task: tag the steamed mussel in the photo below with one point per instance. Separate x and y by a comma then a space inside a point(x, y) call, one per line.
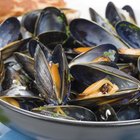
point(58, 66)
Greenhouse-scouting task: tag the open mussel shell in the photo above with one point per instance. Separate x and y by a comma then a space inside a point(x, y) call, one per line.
point(91, 34)
point(129, 9)
point(26, 63)
point(33, 44)
point(9, 31)
point(12, 77)
point(50, 19)
point(26, 103)
point(101, 21)
point(8, 50)
point(51, 39)
point(87, 74)
point(113, 14)
point(29, 20)
point(49, 84)
point(108, 51)
point(130, 33)
point(69, 112)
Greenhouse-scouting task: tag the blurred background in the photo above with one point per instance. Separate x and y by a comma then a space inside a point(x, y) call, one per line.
point(82, 6)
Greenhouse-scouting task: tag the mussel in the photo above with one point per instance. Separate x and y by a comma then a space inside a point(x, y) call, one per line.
point(90, 34)
point(101, 53)
point(101, 84)
point(67, 112)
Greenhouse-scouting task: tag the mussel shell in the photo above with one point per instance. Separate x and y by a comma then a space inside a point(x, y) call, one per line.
point(102, 22)
point(70, 112)
point(50, 19)
point(129, 9)
point(27, 103)
point(107, 50)
point(8, 50)
point(44, 78)
point(9, 31)
point(91, 34)
point(59, 57)
point(106, 113)
point(86, 74)
point(112, 14)
point(128, 112)
point(13, 78)
point(26, 63)
point(29, 20)
point(129, 32)
point(51, 39)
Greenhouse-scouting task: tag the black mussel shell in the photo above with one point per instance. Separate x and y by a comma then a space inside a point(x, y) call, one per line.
point(67, 112)
point(14, 78)
point(128, 112)
point(8, 50)
point(50, 19)
point(87, 74)
point(9, 31)
point(27, 103)
point(29, 20)
point(91, 34)
point(104, 50)
point(112, 14)
point(102, 22)
point(51, 39)
point(26, 63)
point(129, 9)
point(44, 77)
point(129, 32)
point(33, 44)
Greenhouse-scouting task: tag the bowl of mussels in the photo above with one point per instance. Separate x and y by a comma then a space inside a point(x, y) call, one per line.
point(65, 77)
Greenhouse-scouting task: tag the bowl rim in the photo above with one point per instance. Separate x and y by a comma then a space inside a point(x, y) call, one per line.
point(69, 122)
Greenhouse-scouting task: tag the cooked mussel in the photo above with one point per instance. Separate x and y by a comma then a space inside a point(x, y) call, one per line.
point(90, 34)
point(101, 84)
point(101, 21)
point(24, 102)
point(52, 77)
point(129, 9)
point(26, 63)
point(9, 31)
point(115, 15)
point(130, 33)
point(29, 20)
point(67, 112)
point(50, 19)
point(101, 53)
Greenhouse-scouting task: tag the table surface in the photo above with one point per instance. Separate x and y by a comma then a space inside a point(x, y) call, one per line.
point(99, 6)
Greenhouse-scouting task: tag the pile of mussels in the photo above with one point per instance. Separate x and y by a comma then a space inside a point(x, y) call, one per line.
point(57, 64)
